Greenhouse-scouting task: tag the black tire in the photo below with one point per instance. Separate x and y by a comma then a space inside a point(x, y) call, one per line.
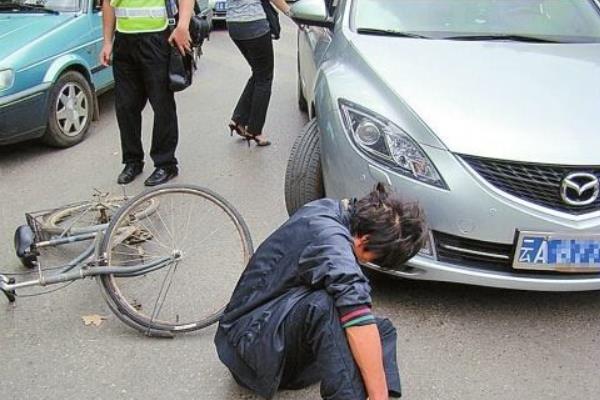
point(302, 103)
point(303, 175)
point(70, 110)
point(193, 287)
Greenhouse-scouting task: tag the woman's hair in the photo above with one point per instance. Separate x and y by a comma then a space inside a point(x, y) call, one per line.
point(395, 231)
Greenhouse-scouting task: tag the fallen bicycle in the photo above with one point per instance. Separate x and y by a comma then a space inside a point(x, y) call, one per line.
point(152, 254)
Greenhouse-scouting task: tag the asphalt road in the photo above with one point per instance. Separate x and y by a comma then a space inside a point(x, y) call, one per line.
point(455, 342)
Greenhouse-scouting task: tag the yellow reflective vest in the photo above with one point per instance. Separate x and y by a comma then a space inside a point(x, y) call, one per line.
point(138, 16)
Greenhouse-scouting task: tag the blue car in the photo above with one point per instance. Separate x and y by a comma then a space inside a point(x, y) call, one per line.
point(50, 75)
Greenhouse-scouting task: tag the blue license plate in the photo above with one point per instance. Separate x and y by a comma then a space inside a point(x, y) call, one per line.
point(221, 6)
point(557, 252)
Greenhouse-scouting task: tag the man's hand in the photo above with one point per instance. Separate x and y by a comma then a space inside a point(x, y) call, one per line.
point(106, 53)
point(180, 38)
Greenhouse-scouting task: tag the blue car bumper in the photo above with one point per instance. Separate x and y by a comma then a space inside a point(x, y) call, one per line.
point(24, 115)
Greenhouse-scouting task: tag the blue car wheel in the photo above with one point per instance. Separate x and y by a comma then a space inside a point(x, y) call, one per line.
point(70, 110)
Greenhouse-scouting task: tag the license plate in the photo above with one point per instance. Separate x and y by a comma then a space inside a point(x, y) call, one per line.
point(557, 252)
point(221, 6)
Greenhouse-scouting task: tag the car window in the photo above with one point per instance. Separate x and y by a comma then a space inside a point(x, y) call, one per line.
point(564, 20)
point(57, 5)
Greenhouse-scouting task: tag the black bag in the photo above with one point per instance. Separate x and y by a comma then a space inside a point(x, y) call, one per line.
point(199, 26)
point(272, 18)
point(182, 67)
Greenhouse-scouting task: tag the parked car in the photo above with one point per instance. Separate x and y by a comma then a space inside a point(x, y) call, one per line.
point(219, 8)
point(485, 112)
point(50, 75)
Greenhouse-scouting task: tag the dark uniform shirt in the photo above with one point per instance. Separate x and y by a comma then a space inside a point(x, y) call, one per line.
point(311, 251)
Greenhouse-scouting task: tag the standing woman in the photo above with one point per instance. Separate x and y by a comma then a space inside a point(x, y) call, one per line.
point(248, 27)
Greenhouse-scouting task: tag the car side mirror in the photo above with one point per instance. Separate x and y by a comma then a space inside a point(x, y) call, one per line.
point(312, 13)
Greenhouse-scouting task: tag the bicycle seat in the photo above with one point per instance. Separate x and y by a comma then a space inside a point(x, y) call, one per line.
point(25, 245)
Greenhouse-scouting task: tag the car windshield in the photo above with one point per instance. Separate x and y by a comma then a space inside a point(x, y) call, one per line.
point(527, 20)
point(54, 5)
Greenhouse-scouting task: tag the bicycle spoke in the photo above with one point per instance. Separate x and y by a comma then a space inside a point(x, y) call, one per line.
point(158, 307)
point(155, 233)
point(166, 227)
point(79, 217)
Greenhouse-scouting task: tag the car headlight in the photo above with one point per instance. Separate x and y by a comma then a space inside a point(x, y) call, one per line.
point(7, 78)
point(380, 139)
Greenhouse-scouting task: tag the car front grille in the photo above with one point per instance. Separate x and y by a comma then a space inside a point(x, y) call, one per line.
point(536, 183)
point(476, 253)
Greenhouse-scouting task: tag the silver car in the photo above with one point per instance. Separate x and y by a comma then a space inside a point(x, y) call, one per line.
point(486, 112)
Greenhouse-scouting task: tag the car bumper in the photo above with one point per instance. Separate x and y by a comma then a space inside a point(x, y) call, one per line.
point(219, 15)
point(471, 213)
point(23, 115)
point(423, 268)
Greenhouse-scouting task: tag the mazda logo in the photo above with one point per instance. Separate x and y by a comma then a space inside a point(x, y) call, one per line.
point(580, 189)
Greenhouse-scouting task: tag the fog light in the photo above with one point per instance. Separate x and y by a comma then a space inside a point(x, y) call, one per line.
point(427, 249)
point(368, 133)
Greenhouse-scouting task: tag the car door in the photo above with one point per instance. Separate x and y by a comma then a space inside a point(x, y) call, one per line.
point(313, 42)
point(101, 76)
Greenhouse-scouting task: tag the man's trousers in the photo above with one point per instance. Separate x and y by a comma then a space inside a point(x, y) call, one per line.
point(140, 66)
point(316, 349)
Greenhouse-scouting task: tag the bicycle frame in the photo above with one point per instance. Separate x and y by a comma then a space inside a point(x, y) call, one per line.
point(87, 264)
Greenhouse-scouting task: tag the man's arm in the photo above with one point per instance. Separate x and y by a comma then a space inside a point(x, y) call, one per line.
point(365, 345)
point(108, 32)
point(180, 37)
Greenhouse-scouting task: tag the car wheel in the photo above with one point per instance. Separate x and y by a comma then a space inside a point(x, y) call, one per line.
point(303, 175)
point(71, 110)
point(302, 103)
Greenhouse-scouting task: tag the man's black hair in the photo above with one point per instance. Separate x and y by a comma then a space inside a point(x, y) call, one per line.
point(395, 230)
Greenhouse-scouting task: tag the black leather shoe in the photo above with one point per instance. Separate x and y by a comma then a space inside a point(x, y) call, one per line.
point(162, 175)
point(129, 173)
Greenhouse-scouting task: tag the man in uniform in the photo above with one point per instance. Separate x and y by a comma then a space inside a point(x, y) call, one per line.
point(301, 311)
point(142, 44)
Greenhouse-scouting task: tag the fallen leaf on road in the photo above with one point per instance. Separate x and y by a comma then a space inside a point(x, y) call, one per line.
point(93, 319)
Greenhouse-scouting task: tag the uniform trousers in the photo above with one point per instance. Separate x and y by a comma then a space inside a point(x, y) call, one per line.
point(141, 71)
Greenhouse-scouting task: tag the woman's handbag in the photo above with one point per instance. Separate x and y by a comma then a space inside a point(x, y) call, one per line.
point(272, 18)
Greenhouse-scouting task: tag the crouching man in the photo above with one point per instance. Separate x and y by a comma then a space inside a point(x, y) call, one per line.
point(301, 311)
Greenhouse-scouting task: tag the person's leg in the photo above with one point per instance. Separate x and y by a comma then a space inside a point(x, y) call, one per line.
point(388, 335)
point(155, 52)
point(241, 113)
point(317, 350)
point(130, 98)
point(260, 56)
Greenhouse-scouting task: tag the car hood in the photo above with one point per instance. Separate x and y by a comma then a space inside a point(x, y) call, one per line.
point(18, 30)
point(504, 100)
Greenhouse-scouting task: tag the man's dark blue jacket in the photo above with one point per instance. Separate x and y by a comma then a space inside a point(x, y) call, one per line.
point(311, 251)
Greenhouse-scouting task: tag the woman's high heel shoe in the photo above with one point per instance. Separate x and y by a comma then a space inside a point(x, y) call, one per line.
point(259, 142)
point(238, 129)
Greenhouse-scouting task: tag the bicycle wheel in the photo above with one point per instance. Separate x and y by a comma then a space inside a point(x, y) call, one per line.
point(208, 245)
point(83, 217)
